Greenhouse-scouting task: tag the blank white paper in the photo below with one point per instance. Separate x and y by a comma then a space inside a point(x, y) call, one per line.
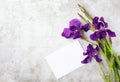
point(66, 59)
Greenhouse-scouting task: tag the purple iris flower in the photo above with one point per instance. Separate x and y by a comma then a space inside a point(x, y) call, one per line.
point(94, 36)
point(99, 23)
point(98, 35)
point(75, 29)
point(95, 21)
point(91, 53)
point(77, 35)
point(104, 23)
point(67, 33)
point(102, 34)
point(85, 27)
point(74, 24)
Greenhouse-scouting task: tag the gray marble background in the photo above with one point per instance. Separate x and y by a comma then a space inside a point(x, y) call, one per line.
point(31, 29)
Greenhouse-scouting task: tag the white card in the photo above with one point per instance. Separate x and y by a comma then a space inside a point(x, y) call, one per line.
point(66, 59)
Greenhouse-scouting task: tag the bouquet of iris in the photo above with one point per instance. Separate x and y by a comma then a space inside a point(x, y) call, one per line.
point(100, 44)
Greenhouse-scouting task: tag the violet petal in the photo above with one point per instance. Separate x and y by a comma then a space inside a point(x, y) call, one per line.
point(77, 35)
point(102, 34)
point(74, 24)
point(97, 58)
point(67, 33)
point(105, 23)
point(85, 27)
point(86, 60)
point(110, 33)
point(94, 36)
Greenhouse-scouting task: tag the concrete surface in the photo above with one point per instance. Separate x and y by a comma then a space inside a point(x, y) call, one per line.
point(31, 30)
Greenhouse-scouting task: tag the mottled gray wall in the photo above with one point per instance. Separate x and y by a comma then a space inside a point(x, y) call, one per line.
point(30, 30)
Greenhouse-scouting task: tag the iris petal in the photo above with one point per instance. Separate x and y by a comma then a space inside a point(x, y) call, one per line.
point(94, 36)
point(86, 60)
point(97, 58)
point(74, 24)
point(77, 35)
point(102, 20)
point(85, 27)
point(102, 34)
point(110, 33)
point(95, 20)
point(67, 33)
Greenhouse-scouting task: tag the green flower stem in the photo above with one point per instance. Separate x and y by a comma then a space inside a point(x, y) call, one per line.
point(116, 74)
point(92, 27)
point(86, 21)
point(103, 73)
point(90, 41)
point(117, 68)
point(111, 60)
point(108, 42)
point(114, 69)
point(107, 60)
point(85, 12)
point(115, 59)
point(104, 53)
point(111, 68)
point(112, 53)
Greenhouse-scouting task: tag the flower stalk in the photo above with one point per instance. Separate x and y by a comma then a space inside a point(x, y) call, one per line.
point(85, 12)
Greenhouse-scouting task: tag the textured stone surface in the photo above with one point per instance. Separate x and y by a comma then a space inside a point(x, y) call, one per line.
point(30, 30)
